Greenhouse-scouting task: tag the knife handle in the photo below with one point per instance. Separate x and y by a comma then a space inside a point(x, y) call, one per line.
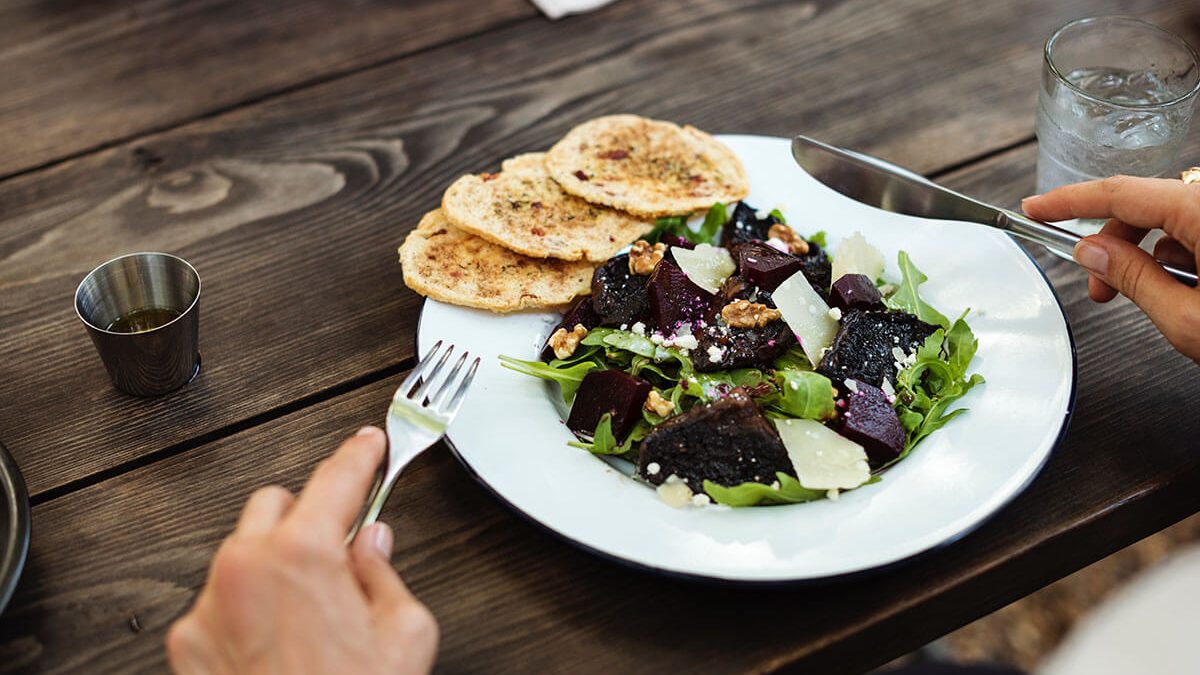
point(1062, 241)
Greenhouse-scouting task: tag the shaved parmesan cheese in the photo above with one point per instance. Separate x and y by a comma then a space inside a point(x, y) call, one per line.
point(806, 314)
point(856, 256)
point(706, 266)
point(823, 459)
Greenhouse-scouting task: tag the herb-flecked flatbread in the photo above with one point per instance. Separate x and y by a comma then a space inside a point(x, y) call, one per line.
point(523, 209)
point(445, 263)
point(646, 167)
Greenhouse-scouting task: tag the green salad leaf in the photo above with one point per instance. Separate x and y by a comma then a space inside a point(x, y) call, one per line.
point(711, 386)
point(603, 441)
point(819, 239)
point(907, 298)
point(568, 376)
point(778, 215)
point(926, 389)
point(803, 394)
point(793, 359)
point(709, 231)
point(752, 494)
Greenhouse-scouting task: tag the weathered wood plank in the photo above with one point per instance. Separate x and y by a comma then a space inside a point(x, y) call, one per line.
point(292, 209)
point(511, 598)
point(82, 74)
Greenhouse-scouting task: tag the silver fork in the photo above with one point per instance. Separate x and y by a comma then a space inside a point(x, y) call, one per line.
point(416, 420)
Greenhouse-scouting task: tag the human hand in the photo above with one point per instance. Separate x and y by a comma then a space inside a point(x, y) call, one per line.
point(286, 595)
point(1134, 206)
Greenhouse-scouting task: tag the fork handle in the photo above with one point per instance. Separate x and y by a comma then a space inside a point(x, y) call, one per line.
point(380, 491)
point(1063, 241)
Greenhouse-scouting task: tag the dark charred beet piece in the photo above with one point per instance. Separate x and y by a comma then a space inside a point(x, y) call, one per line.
point(617, 295)
point(608, 391)
point(765, 266)
point(674, 299)
point(745, 225)
point(741, 347)
point(727, 441)
point(737, 288)
point(862, 349)
point(817, 269)
point(579, 313)
point(855, 291)
point(869, 420)
point(676, 240)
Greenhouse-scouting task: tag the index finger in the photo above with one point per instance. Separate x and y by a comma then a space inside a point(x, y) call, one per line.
point(335, 494)
point(1145, 203)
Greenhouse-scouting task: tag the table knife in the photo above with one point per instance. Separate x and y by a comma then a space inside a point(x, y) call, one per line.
point(886, 186)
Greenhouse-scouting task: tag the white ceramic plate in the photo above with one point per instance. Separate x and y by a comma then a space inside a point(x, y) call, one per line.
point(510, 433)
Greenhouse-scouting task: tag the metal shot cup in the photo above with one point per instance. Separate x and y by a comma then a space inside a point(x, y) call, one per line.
point(155, 361)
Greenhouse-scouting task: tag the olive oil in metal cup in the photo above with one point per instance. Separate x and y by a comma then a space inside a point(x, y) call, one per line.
point(142, 311)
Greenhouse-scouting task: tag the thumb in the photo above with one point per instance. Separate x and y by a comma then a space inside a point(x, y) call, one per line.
point(1173, 307)
point(411, 632)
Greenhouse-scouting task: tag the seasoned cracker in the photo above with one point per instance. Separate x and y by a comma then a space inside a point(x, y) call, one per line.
point(523, 209)
point(646, 167)
point(445, 263)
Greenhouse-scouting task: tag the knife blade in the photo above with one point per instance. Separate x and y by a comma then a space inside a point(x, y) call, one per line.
point(877, 183)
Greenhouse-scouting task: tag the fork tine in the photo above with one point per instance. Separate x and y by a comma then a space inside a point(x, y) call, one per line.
point(420, 395)
point(456, 401)
point(436, 399)
point(421, 367)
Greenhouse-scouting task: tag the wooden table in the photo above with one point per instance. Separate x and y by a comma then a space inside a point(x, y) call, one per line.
point(285, 148)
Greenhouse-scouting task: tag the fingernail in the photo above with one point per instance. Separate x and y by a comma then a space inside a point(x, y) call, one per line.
point(1029, 198)
point(366, 431)
point(382, 539)
point(1092, 257)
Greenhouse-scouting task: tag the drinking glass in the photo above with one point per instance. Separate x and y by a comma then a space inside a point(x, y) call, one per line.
point(1116, 97)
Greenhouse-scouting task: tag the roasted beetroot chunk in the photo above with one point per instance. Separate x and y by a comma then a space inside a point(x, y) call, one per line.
point(618, 296)
point(765, 266)
point(727, 441)
point(855, 291)
point(579, 313)
point(862, 349)
point(608, 391)
point(723, 348)
point(817, 269)
point(675, 300)
point(869, 420)
point(745, 225)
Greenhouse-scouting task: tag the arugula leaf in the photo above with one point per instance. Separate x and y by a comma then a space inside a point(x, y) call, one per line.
point(624, 340)
point(603, 441)
point(667, 225)
point(793, 359)
point(752, 494)
point(568, 377)
point(819, 239)
point(711, 386)
point(710, 229)
point(926, 389)
point(778, 215)
point(803, 394)
point(908, 299)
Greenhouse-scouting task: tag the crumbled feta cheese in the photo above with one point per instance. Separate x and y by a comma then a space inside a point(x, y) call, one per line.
point(657, 338)
point(762, 214)
point(779, 245)
point(674, 492)
point(700, 500)
point(653, 468)
point(833, 494)
point(851, 385)
point(624, 326)
point(715, 354)
point(835, 313)
point(687, 342)
point(639, 328)
point(775, 485)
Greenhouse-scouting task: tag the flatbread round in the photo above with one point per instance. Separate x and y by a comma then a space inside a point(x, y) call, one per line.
point(445, 263)
point(523, 209)
point(646, 167)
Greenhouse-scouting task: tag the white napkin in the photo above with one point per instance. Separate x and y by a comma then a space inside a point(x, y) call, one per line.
point(556, 9)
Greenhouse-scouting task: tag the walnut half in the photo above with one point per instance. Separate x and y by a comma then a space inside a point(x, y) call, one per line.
point(564, 343)
point(658, 405)
point(787, 235)
point(746, 314)
point(643, 257)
